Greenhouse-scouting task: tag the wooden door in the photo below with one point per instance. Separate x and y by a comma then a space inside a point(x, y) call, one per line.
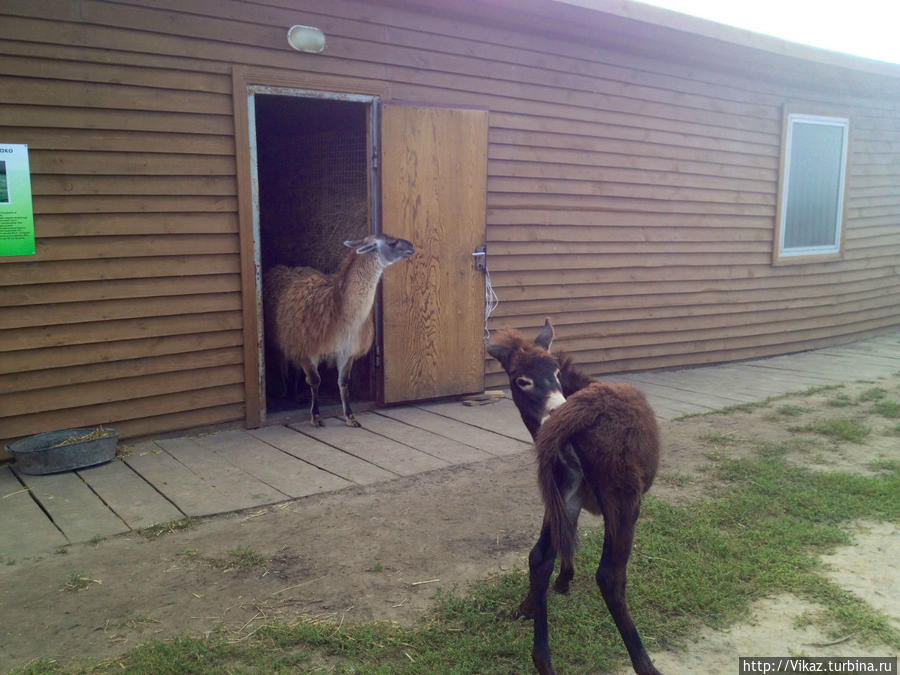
point(433, 187)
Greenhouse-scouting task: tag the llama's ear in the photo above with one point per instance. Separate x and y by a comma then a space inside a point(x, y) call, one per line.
point(545, 337)
point(363, 247)
point(501, 353)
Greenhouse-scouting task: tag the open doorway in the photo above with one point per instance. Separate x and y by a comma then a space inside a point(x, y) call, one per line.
point(315, 191)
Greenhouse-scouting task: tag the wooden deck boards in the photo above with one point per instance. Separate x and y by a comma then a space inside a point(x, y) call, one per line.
point(488, 441)
point(283, 472)
point(129, 496)
point(199, 491)
point(166, 479)
point(343, 466)
point(381, 451)
point(74, 507)
point(26, 531)
point(447, 449)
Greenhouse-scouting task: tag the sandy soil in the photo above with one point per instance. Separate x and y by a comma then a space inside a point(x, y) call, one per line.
point(380, 552)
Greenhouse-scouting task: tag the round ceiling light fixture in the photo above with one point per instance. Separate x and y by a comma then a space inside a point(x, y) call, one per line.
point(306, 39)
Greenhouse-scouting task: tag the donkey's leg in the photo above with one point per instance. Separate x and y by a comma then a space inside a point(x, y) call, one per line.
point(313, 380)
point(345, 365)
point(611, 578)
point(540, 568)
point(571, 493)
point(566, 568)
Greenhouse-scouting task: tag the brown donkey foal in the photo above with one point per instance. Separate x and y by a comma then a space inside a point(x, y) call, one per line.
point(599, 450)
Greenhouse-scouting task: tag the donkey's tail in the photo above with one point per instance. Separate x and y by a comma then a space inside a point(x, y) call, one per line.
point(559, 468)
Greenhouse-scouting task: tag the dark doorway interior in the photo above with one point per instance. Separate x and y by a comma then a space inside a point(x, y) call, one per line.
point(313, 170)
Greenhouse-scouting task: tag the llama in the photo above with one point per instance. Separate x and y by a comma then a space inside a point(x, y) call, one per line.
point(313, 317)
point(598, 449)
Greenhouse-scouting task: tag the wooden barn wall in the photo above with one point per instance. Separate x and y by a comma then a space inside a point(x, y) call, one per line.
point(631, 200)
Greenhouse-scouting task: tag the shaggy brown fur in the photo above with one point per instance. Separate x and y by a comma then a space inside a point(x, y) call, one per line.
point(290, 292)
point(599, 451)
point(313, 317)
point(613, 432)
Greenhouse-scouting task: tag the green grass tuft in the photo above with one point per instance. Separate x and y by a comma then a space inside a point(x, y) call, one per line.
point(716, 438)
point(840, 401)
point(240, 558)
point(792, 410)
point(838, 428)
point(173, 526)
point(873, 394)
point(890, 409)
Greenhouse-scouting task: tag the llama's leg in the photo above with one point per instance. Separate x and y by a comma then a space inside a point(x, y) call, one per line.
point(611, 578)
point(344, 369)
point(313, 380)
point(540, 568)
point(284, 367)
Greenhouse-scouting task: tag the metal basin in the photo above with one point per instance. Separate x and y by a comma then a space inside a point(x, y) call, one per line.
point(56, 451)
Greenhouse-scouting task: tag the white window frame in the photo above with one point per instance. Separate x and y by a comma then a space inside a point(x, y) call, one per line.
point(809, 254)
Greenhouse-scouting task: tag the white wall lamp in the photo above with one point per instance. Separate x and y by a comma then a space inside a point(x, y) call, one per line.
point(306, 39)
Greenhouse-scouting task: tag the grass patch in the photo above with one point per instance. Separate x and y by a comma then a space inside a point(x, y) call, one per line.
point(873, 394)
point(840, 401)
point(838, 428)
point(676, 478)
point(78, 582)
point(792, 410)
point(716, 438)
point(795, 444)
point(887, 465)
point(242, 558)
point(761, 534)
point(171, 527)
point(812, 391)
point(890, 409)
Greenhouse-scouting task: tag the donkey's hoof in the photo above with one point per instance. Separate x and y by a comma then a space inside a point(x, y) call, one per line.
point(561, 588)
point(522, 612)
point(316, 421)
point(352, 422)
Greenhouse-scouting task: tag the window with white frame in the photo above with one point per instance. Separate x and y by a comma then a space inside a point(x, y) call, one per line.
point(809, 223)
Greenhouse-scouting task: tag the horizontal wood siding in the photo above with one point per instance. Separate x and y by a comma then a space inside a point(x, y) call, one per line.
point(630, 199)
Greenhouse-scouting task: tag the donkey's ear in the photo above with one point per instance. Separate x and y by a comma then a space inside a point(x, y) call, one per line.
point(502, 353)
point(545, 337)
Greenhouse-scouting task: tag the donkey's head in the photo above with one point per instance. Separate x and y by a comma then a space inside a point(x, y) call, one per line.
point(388, 249)
point(533, 373)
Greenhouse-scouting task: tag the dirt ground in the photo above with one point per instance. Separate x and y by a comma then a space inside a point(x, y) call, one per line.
point(381, 552)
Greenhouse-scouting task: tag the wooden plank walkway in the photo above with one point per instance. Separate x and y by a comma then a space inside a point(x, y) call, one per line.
point(162, 480)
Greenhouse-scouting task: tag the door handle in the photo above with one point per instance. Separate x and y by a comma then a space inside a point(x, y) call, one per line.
point(480, 256)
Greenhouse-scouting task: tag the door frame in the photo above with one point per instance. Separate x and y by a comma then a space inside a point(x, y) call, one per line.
point(246, 83)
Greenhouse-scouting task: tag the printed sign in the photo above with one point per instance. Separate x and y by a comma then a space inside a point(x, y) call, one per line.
point(16, 214)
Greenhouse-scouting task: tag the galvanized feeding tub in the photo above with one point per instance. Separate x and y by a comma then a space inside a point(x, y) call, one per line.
point(65, 450)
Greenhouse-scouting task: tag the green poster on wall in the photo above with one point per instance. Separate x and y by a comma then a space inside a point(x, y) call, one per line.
point(16, 215)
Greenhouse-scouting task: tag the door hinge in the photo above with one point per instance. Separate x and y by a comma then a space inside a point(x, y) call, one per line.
point(480, 256)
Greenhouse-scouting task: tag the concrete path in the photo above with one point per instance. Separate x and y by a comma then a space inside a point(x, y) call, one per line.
point(163, 480)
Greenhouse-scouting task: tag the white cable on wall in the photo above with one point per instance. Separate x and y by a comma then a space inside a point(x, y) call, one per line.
point(490, 301)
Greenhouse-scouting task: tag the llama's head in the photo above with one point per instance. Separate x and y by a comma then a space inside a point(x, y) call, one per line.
point(533, 373)
point(388, 249)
